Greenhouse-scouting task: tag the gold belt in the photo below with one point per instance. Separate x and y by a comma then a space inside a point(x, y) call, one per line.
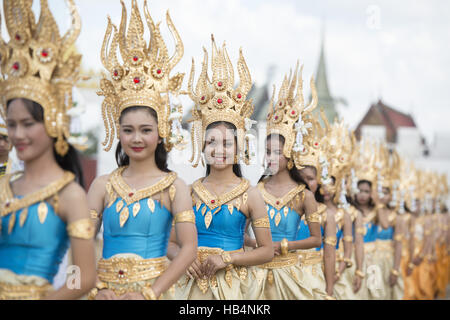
point(24, 291)
point(126, 270)
point(384, 245)
point(290, 259)
point(369, 246)
point(310, 257)
point(204, 252)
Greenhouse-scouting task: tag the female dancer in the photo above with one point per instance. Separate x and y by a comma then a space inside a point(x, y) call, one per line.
point(43, 209)
point(286, 195)
point(223, 200)
point(138, 201)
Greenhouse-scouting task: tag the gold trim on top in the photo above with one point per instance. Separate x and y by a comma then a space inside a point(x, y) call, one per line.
point(370, 217)
point(130, 195)
point(279, 203)
point(214, 201)
point(11, 204)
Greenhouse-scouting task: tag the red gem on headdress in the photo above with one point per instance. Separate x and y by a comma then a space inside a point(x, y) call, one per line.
point(116, 73)
point(281, 103)
point(203, 98)
point(293, 112)
point(121, 272)
point(219, 100)
point(135, 58)
point(276, 117)
point(44, 53)
point(316, 144)
point(136, 80)
point(18, 37)
point(16, 66)
point(219, 83)
point(239, 96)
point(7, 204)
point(158, 71)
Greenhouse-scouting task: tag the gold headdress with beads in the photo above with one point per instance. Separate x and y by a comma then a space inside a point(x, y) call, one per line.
point(364, 162)
point(40, 65)
point(287, 116)
point(217, 100)
point(143, 77)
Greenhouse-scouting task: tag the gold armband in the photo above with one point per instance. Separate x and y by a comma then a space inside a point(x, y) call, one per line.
point(82, 229)
point(361, 230)
point(360, 274)
point(185, 216)
point(284, 246)
point(261, 223)
point(411, 265)
point(148, 293)
point(348, 238)
point(348, 262)
point(398, 237)
point(330, 240)
point(94, 215)
point(313, 217)
point(395, 272)
point(226, 257)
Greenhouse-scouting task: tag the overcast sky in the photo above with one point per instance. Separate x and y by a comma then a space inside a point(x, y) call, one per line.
point(394, 50)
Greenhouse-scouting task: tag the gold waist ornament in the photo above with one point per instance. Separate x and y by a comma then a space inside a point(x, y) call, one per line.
point(128, 270)
point(287, 260)
point(24, 291)
point(310, 257)
point(369, 246)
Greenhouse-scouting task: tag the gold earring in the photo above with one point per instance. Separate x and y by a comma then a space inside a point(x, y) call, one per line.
point(290, 164)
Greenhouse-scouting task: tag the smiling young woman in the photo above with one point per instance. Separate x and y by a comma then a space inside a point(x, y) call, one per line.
point(43, 210)
point(142, 199)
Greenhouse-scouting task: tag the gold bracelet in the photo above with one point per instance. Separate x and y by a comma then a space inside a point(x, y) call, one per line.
point(284, 246)
point(398, 237)
point(348, 238)
point(226, 257)
point(185, 216)
point(99, 285)
point(94, 214)
point(329, 298)
point(261, 223)
point(360, 274)
point(92, 294)
point(395, 272)
point(148, 293)
point(348, 262)
point(411, 265)
point(361, 230)
point(331, 241)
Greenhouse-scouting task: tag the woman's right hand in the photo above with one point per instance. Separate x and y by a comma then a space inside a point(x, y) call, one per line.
point(106, 294)
point(356, 284)
point(194, 271)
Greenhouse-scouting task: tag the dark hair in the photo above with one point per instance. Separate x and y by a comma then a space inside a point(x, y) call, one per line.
point(371, 203)
point(161, 153)
point(70, 161)
point(236, 166)
point(293, 172)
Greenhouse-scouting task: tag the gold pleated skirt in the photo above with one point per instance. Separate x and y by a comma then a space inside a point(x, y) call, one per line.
point(21, 287)
point(311, 264)
point(384, 257)
point(343, 288)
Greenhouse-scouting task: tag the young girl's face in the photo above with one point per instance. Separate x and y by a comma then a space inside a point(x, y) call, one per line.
point(220, 146)
point(275, 159)
point(329, 191)
point(308, 174)
point(364, 194)
point(26, 134)
point(386, 198)
point(138, 134)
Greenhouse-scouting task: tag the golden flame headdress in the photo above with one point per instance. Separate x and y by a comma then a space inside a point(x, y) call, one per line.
point(364, 162)
point(40, 65)
point(143, 77)
point(287, 117)
point(217, 100)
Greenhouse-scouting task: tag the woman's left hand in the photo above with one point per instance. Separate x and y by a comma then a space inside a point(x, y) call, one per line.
point(392, 280)
point(212, 264)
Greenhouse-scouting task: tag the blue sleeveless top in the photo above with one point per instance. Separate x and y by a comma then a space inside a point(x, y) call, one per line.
point(133, 222)
point(388, 233)
point(33, 239)
point(219, 222)
point(371, 229)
